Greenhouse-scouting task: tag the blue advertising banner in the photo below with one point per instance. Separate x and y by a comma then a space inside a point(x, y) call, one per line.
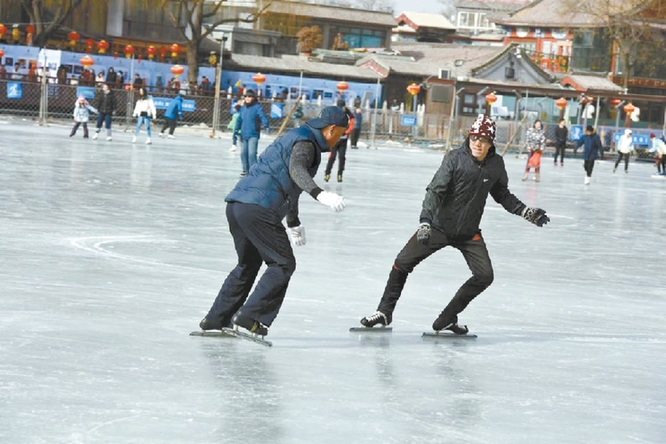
point(14, 90)
point(277, 110)
point(636, 139)
point(576, 132)
point(162, 103)
point(86, 91)
point(407, 120)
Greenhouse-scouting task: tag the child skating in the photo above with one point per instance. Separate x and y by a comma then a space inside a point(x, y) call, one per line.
point(82, 110)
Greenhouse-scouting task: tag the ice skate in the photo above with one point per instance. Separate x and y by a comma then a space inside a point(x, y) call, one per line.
point(95, 135)
point(171, 136)
point(133, 139)
point(447, 323)
point(242, 320)
point(148, 141)
point(339, 177)
point(161, 134)
point(327, 177)
point(587, 180)
point(377, 318)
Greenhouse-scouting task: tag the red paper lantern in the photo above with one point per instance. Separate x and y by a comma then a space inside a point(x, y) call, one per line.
point(2, 53)
point(259, 78)
point(87, 61)
point(89, 44)
point(175, 49)
point(629, 108)
point(561, 103)
point(151, 51)
point(491, 98)
point(177, 70)
point(413, 89)
point(3, 29)
point(129, 50)
point(30, 29)
point(614, 102)
point(73, 37)
point(102, 46)
point(342, 86)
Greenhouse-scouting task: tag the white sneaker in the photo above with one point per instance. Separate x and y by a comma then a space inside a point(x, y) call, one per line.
point(233, 148)
point(171, 136)
point(148, 142)
point(109, 138)
point(161, 134)
point(133, 139)
point(587, 180)
point(95, 135)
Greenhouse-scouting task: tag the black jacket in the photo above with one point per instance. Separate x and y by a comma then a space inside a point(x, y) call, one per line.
point(105, 103)
point(456, 197)
point(561, 136)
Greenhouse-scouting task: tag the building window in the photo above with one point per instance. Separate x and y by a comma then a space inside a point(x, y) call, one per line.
point(360, 38)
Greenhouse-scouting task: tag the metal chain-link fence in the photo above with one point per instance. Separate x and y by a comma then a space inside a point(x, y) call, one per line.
point(44, 99)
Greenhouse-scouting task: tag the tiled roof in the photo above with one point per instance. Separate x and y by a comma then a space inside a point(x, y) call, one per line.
point(333, 13)
point(433, 56)
point(296, 64)
point(423, 20)
point(491, 5)
point(547, 13)
point(590, 82)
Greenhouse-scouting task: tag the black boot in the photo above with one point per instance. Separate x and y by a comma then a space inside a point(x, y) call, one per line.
point(250, 324)
point(446, 322)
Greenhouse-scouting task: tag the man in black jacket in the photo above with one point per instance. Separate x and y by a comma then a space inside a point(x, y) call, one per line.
point(561, 134)
point(452, 210)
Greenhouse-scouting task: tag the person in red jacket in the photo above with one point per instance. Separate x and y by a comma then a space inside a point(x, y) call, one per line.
point(341, 146)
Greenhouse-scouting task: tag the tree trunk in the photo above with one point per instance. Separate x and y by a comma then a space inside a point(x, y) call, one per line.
point(192, 65)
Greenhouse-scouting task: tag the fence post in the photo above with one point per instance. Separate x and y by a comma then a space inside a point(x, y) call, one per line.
point(43, 98)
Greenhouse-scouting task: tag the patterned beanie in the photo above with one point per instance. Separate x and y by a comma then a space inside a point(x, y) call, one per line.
point(484, 127)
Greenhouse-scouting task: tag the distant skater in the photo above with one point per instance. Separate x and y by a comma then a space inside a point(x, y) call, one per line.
point(82, 110)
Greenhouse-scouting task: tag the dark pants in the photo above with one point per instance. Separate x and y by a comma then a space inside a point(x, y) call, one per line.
point(626, 160)
point(475, 253)
point(259, 237)
point(169, 123)
point(661, 163)
point(341, 148)
point(76, 127)
point(589, 166)
point(355, 134)
point(103, 118)
point(559, 151)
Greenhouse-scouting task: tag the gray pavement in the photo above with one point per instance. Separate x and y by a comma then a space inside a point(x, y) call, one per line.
point(112, 253)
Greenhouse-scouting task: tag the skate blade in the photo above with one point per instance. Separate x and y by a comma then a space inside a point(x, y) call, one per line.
point(247, 336)
point(382, 329)
point(211, 334)
point(440, 335)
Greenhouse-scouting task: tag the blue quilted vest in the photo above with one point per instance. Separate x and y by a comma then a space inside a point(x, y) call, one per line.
point(268, 182)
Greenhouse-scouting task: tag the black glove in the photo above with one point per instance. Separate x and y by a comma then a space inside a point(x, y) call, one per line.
point(423, 233)
point(536, 215)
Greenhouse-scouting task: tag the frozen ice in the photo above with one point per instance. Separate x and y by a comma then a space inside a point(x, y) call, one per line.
point(112, 253)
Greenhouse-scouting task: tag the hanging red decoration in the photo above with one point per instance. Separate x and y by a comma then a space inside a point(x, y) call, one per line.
point(30, 29)
point(259, 78)
point(73, 37)
point(491, 98)
point(89, 44)
point(87, 61)
point(151, 51)
point(629, 108)
point(614, 102)
point(177, 70)
point(102, 46)
point(413, 89)
point(561, 103)
point(129, 51)
point(2, 53)
point(3, 30)
point(175, 49)
point(342, 86)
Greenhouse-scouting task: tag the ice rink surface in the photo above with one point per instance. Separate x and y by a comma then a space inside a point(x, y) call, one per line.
point(112, 253)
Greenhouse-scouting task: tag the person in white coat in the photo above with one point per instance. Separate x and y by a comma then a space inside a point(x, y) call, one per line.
point(144, 111)
point(625, 146)
point(82, 110)
point(659, 147)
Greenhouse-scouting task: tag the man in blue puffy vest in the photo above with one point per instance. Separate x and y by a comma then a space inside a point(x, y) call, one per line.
point(248, 125)
point(255, 209)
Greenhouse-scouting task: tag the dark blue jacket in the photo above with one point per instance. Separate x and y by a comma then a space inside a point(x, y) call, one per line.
point(175, 107)
point(250, 120)
point(592, 146)
point(268, 182)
